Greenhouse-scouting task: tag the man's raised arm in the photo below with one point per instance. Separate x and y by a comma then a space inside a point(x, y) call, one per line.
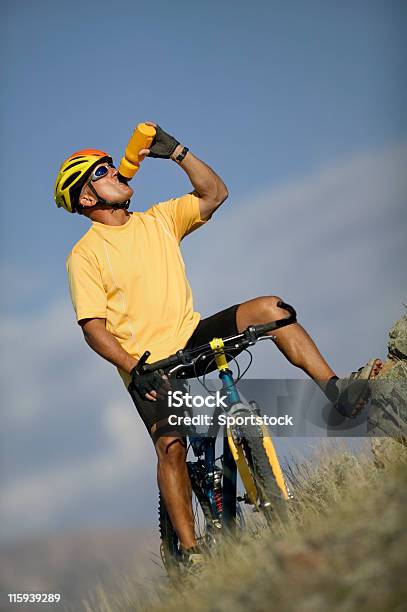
point(208, 186)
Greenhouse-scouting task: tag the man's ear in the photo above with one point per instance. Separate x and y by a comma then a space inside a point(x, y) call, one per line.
point(86, 199)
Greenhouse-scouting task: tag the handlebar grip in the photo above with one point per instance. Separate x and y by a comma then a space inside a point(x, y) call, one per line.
point(163, 364)
point(267, 327)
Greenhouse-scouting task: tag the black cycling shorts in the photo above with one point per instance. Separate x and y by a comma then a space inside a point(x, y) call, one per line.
point(155, 414)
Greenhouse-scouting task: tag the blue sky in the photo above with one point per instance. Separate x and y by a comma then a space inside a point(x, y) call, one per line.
point(263, 92)
point(301, 108)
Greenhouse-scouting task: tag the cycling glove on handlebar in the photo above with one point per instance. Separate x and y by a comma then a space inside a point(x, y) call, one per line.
point(145, 383)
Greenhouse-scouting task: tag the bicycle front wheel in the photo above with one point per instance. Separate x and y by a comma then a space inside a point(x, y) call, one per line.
point(265, 471)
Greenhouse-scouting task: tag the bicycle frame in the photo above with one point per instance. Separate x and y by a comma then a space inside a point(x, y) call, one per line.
point(234, 459)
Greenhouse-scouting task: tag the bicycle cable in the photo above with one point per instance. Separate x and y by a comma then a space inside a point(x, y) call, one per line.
point(240, 376)
point(231, 357)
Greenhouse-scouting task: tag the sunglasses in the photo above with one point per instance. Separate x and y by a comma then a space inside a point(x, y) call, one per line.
point(100, 172)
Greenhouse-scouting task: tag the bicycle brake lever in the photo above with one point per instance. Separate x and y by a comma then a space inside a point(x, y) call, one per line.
point(184, 364)
point(252, 338)
point(142, 361)
point(250, 334)
point(175, 369)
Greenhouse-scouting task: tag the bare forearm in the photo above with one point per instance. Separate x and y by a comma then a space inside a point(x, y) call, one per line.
point(207, 184)
point(106, 345)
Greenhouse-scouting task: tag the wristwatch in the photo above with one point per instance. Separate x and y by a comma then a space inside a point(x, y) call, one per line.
point(181, 155)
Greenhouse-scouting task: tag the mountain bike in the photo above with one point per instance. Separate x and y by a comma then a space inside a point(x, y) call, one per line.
point(247, 449)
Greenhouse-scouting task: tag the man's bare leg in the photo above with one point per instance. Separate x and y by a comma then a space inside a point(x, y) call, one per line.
point(175, 487)
point(292, 340)
point(296, 345)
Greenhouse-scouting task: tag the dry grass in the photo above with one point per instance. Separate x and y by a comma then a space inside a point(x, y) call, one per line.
point(343, 548)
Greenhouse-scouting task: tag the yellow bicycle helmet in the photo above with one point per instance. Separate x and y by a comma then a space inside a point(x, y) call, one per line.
point(73, 174)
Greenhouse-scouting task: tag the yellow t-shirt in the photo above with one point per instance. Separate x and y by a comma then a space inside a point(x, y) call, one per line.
point(133, 275)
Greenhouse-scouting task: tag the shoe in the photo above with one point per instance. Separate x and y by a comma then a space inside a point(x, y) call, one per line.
point(354, 391)
point(194, 561)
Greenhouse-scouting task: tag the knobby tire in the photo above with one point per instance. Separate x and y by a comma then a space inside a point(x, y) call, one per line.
point(273, 505)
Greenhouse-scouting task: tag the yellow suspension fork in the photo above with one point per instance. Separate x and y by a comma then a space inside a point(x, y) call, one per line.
point(217, 346)
point(273, 460)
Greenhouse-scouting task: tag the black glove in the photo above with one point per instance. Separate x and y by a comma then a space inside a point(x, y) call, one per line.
point(145, 383)
point(163, 145)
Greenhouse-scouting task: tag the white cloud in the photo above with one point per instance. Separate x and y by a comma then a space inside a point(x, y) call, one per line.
point(45, 360)
point(332, 243)
point(34, 503)
point(70, 433)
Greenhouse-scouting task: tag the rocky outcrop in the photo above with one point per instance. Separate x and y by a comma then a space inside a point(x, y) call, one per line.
point(388, 413)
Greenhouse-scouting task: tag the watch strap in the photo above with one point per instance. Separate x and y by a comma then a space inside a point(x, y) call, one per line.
point(181, 155)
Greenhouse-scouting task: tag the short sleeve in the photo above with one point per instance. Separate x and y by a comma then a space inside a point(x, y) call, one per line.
point(182, 214)
point(86, 287)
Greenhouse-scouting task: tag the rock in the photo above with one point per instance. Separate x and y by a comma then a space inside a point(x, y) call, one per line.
point(397, 344)
point(388, 410)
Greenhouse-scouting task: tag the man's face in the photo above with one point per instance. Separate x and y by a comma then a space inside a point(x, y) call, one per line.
point(107, 187)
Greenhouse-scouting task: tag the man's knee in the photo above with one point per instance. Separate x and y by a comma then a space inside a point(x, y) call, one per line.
point(171, 450)
point(267, 309)
point(259, 310)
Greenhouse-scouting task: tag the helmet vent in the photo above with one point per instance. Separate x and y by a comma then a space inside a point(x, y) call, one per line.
point(75, 163)
point(70, 179)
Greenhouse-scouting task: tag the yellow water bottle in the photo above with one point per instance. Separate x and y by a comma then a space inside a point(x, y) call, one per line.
point(141, 138)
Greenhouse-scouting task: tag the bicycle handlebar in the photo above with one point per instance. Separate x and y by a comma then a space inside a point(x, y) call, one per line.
point(247, 338)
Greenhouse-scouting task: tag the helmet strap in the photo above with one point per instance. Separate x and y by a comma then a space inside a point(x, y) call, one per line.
point(103, 202)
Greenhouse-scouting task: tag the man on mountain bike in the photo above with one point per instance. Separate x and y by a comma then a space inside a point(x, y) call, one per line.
point(130, 293)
